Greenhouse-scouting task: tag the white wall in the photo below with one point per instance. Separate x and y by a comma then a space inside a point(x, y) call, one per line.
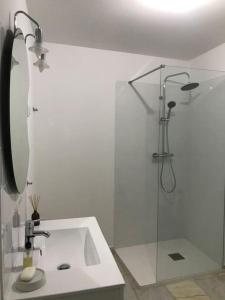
point(215, 60)
point(74, 130)
point(138, 210)
point(204, 210)
point(136, 138)
point(212, 60)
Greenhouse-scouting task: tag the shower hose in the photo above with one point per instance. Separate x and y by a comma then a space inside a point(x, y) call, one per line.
point(168, 159)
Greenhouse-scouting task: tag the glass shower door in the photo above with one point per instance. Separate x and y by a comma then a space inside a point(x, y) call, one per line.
point(191, 218)
point(136, 187)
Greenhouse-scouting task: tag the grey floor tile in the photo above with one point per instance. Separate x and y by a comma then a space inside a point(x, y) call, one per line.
point(213, 287)
point(154, 293)
point(129, 293)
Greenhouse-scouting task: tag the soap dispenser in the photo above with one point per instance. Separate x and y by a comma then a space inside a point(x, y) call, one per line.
point(28, 255)
point(28, 258)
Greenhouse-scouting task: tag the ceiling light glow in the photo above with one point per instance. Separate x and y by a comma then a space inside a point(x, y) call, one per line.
point(176, 6)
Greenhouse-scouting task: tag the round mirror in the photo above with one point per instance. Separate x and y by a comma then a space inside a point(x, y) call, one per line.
point(14, 100)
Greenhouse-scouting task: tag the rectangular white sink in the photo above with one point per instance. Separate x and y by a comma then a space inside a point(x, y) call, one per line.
point(75, 249)
point(93, 273)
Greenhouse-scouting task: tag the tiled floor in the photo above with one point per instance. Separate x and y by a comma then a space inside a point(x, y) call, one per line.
point(212, 284)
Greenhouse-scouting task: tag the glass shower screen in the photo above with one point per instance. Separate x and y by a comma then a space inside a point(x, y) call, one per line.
point(169, 173)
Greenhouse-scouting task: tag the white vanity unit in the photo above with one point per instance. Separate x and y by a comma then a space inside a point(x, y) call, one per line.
point(80, 245)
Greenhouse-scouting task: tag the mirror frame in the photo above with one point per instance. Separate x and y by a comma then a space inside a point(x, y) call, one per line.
point(5, 111)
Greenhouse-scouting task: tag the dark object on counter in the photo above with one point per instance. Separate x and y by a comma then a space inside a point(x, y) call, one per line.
point(36, 218)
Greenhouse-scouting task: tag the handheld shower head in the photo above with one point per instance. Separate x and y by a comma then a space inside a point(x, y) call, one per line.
point(170, 105)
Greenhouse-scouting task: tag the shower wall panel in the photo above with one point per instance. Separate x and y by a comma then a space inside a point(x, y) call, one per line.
point(197, 140)
point(136, 172)
point(204, 209)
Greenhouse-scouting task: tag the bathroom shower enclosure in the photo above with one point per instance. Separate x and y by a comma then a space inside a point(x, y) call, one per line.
point(169, 173)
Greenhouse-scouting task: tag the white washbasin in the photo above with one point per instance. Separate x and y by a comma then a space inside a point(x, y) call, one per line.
point(76, 248)
point(93, 273)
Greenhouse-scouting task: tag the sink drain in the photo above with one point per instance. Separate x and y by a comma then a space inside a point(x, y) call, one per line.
point(63, 267)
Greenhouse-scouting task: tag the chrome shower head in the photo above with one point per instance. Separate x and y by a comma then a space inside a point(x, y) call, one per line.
point(190, 86)
point(170, 105)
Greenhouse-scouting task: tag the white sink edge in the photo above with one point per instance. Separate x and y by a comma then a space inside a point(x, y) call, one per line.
point(77, 280)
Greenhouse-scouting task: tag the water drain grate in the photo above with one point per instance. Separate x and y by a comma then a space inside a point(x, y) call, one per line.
point(176, 256)
point(63, 267)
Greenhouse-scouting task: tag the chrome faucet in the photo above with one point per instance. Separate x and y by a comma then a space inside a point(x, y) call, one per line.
point(30, 233)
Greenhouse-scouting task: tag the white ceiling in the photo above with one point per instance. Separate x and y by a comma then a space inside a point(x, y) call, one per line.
point(131, 26)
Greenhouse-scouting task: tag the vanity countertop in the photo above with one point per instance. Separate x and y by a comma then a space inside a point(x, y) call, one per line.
point(81, 278)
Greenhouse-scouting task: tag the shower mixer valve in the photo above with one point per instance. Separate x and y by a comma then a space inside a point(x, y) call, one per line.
point(159, 155)
point(164, 119)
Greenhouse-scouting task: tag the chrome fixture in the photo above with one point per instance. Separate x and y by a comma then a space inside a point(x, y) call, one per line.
point(164, 121)
point(170, 105)
point(165, 154)
point(37, 47)
point(190, 86)
point(159, 155)
point(29, 34)
point(147, 73)
point(41, 63)
point(30, 233)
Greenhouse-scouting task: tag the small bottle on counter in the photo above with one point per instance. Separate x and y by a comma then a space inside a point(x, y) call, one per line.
point(36, 218)
point(34, 200)
point(16, 218)
point(28, 258)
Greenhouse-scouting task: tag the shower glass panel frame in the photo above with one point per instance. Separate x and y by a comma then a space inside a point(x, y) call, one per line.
point(169, 215)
